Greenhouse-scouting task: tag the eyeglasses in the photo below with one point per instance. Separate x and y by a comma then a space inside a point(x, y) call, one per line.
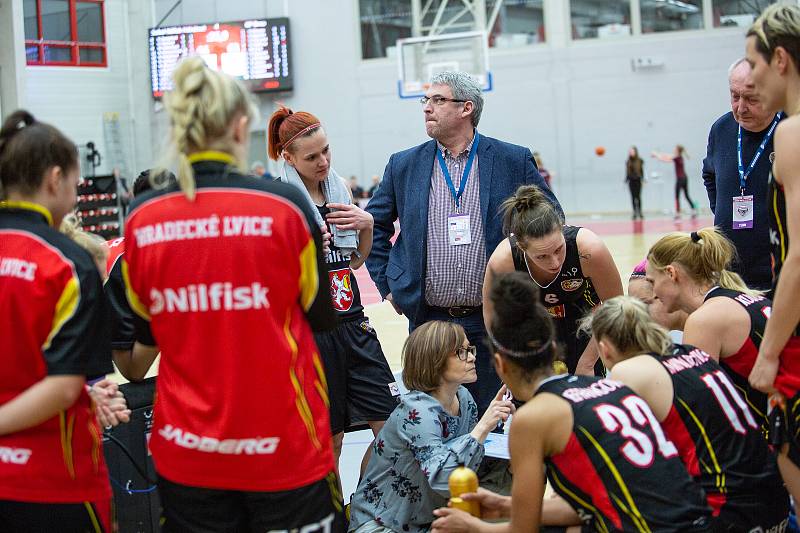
point(464, 353)
point(438, 100)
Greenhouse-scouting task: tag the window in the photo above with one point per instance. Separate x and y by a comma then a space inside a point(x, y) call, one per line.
point(65, 32)
point(742, 13)
point(600, 18)
point(383, 22)
point(516, 23)
point(671, 15)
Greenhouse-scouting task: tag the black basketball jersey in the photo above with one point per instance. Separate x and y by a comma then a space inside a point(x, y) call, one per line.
point(345, 295)
point(718, 436)
point(739, 365)
point(619, 471)
point(567, 298)
point(778, 233)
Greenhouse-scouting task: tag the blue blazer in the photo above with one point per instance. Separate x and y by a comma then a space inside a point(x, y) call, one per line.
point(403, 195)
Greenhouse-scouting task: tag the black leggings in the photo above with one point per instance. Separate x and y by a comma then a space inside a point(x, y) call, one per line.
point(635, 186)
point(682, 184)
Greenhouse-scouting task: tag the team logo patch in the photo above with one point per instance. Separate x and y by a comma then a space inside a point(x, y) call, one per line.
point(557, 311)
point(394, 390)
point(571, 284)
point(772, 157)
point(341, 289)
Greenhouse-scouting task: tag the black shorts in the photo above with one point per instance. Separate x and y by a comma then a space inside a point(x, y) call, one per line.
point(315, 508)
point(766, 511)
point(26, 517)
point(361, 386)
point(784, 428)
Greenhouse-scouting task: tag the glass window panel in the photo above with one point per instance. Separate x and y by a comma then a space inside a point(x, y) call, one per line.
point(671, 15)
point(89, 19)
point(91, 55)
point(31, 21)
point(32, 53)
point(518, 22)
point(600, 18)
point(742, 13)
point(57, 54)
point(382, 23)
point(55, 20)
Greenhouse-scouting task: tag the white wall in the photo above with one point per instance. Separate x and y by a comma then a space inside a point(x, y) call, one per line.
point(561, 98)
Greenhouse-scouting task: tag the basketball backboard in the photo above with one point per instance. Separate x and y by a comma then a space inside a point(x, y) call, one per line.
point(420, 58)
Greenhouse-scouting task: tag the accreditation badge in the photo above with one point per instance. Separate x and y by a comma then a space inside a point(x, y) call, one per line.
point(458, 230)
point(743, 212)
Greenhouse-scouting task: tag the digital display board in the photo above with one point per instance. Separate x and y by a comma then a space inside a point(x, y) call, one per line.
point(254, 51)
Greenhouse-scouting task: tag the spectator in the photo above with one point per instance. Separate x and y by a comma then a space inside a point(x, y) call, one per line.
point(543, 172)
point(745, 132)
point(446, 194)
point(358, 192)
point(376, 181)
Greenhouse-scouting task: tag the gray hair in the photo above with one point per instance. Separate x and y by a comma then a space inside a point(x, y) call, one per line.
point(735, 64)
point(464, 87)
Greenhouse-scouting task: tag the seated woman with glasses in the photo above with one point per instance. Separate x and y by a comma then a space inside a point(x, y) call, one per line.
point(433, 430)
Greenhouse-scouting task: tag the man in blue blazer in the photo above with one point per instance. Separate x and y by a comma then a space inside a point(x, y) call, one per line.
point(446, 194)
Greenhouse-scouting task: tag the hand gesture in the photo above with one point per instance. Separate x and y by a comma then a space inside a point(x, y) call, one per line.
point(110, 405)
point(326, 239)
point(498, 411)
point(349, 216)
point(453, 520)
point(493, 506)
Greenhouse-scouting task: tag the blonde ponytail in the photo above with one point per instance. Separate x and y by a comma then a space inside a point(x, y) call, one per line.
point(705, 255)
point(626, 322)
point(201, 108)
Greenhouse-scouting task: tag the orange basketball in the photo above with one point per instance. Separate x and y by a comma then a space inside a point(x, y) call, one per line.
point(600, 151)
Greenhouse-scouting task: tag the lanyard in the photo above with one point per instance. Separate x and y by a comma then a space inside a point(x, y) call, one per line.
point(449, 180)
point(742, 174)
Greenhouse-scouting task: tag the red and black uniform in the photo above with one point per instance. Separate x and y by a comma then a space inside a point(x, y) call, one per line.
point(52, 317)
point(721, 443)
point(360, 383)
point(788, 379)
point(121, 318)
point(619, 471)
point(568, 298)
point(739, 365)
point(226, 285)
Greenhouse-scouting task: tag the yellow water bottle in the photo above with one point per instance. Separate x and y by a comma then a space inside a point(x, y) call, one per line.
point(462, 480)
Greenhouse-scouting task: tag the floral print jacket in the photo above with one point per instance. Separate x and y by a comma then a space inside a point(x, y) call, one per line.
point(412, 457)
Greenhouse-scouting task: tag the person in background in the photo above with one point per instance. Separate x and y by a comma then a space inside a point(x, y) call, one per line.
point(376, 181)
point(640, 288)
point(543, 172)
point(434, 430)
point(773, 51)
point(355, 188)
point(121, 316)
point(241, 437)
point(361, 386)
point(53, 475)
point(446, 193)
point(634, 177)
point(736, 175)
point(681, 180)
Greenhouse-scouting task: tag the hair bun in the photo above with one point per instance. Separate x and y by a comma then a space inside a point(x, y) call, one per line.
point(528, 197)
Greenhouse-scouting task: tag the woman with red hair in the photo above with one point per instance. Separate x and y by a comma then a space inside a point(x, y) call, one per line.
point(360, 383)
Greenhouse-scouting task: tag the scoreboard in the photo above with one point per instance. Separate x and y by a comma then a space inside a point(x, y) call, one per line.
point(254, 51)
